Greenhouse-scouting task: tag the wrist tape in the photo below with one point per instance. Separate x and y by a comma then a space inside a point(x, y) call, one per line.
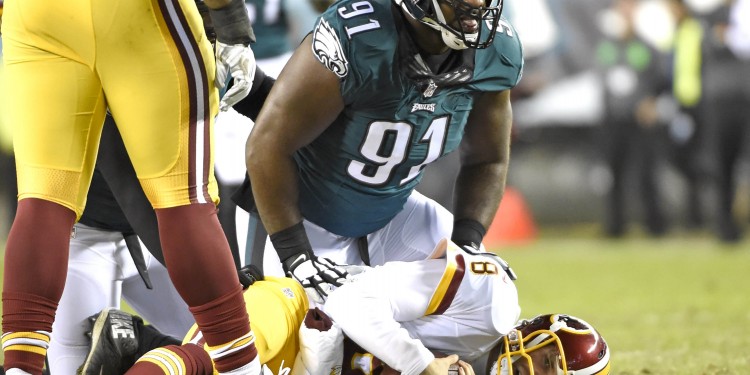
point(232, 24)
point(291, 241)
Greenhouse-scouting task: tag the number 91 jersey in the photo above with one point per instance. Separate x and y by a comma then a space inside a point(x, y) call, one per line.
point(399, 116)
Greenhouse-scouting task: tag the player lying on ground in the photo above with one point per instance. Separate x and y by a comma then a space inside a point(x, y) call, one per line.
point(460, 303)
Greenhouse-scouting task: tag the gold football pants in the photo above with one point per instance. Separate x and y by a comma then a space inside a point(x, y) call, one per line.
point(147, 61)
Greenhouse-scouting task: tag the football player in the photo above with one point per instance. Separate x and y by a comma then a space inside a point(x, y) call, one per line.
point(376, 92)
point(379, 325)
point(100, 270)
point(151, 64)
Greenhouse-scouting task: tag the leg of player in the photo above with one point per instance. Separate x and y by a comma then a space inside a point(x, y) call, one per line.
point(196, 227)
point(30, 297)
point(86, 293)
point(161, 306)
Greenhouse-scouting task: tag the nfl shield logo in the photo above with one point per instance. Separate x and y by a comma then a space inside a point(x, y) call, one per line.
point(430, 90)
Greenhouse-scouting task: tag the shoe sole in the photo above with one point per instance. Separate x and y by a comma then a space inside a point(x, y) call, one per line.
point(96, 335)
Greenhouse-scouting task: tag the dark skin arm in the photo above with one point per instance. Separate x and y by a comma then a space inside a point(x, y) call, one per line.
point(485, 155)
point(304, 101)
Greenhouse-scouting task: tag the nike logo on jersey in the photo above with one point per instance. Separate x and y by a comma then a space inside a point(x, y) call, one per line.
point(423, 107)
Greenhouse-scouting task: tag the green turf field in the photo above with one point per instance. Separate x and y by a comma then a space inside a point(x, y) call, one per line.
point(678, 305)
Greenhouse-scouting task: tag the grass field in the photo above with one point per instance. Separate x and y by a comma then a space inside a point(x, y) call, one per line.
point(677, 305)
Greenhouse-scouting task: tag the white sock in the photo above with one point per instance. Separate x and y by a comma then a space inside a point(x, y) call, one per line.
point(16, 371)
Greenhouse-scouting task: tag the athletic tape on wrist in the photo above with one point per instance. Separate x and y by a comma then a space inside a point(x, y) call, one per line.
point(468, 232)
point(232, 24)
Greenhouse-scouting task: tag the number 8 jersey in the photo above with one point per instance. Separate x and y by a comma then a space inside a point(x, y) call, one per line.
point(399, 114)
point(401, 312)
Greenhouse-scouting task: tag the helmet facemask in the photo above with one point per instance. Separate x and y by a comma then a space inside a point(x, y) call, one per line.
point(466, 30)
point(517, 354)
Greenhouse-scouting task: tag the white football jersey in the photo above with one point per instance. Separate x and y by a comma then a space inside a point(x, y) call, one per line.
point(460, 303)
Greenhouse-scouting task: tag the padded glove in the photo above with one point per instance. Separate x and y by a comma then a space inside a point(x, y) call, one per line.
point(319, 276)
point(238, 61)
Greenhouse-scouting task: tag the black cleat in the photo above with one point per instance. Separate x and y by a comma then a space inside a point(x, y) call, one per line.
point(113, 343)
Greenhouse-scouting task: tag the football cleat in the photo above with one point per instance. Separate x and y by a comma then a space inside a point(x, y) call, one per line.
point(114, 343)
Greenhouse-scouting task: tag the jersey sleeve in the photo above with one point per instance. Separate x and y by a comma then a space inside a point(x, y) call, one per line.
point(500, 66)
point(369, 311)
point(356, 41)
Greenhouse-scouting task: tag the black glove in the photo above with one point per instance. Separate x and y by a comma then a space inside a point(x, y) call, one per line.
point(319, 276)
point(249, 275)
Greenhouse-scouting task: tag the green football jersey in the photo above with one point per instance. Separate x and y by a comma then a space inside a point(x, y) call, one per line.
point(399, 116)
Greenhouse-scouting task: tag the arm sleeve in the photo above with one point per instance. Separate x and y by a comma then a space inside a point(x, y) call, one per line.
point(369, 311)
point(250, 105)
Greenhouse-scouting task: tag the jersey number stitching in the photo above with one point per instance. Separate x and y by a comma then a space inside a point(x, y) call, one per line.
point(386, 145)
point(358, 9)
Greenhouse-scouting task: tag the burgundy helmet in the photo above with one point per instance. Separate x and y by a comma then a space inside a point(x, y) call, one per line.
point(582, 350)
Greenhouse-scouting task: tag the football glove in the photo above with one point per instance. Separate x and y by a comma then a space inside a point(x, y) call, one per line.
point(319, 276)
point(238, 61)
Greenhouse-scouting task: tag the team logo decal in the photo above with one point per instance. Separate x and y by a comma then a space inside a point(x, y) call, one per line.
point(423, 107)
point(288, 292)
point(327, 48)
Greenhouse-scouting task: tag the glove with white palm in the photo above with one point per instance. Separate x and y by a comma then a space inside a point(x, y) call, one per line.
point(319, 276)
point(233, 54)
point(239, 61)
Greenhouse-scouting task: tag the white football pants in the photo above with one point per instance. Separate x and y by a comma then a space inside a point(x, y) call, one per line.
point(100, 273)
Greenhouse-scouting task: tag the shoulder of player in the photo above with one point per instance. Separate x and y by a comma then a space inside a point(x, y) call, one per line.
point(359, 21)
point(487, 288)
point(507, 46)
point(358, 35)
point(481, 270)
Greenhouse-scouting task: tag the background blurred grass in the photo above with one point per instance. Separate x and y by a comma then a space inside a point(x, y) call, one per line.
point(676, 305)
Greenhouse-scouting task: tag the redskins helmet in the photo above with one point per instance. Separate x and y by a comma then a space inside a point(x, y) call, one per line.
point(576, 348)
point(429, 13)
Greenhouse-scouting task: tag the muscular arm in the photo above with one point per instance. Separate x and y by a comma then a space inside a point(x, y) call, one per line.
point(302, 104)
point(485, 154)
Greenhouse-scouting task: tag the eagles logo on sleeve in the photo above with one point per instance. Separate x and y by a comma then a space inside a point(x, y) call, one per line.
point(327, 48)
